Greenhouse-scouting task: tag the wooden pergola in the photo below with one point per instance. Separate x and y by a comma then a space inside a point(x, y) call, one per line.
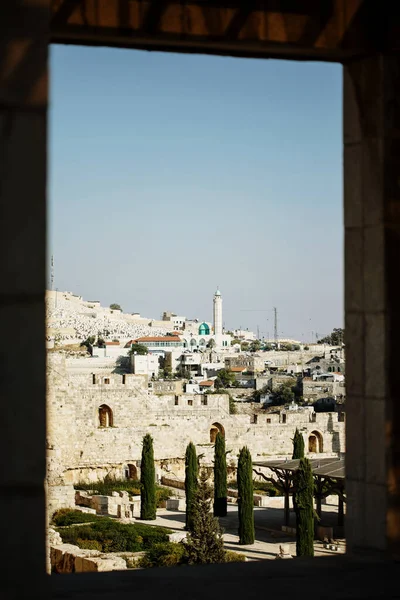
point(329, 478)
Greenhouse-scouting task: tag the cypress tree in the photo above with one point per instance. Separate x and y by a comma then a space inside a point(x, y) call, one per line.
point(298, 445)
point(148, 481)
point(220, 483)
point(245, 497)
point(303, 505)
point(204, 542)
point(191, 472)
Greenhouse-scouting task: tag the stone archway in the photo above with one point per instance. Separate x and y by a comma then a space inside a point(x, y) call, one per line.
point(131, 472)
point(315, 443)
point(214, 429)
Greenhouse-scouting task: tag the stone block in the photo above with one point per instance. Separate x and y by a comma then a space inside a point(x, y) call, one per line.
point(374, 269)
point(178, 504)
point(62, 558)
point(352, 133)
point(99, 564)
point(372, 181)
point(355, 371)
point(375, 516)
point(23, 393)
point(363, 99)
point(375, 447)
point(22, 253)
point(353, 276)
point(86, 509)
point(375, 355)
point(355, 438)
point(355, 515)
point(353, 206)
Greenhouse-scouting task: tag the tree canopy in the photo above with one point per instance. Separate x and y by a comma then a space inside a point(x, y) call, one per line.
point(138, 349)
point(115, 306)
point(335, 338)
point(220, 477)
point(284, 394)
point(191, 474)
point(147, 480)
point(255, 346)
point(298, 445)
point(204, 543)
point(303, 502)
point(245, 497)
point(225, 378)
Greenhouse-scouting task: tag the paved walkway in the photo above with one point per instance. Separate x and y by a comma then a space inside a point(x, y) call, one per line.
point(269, 536)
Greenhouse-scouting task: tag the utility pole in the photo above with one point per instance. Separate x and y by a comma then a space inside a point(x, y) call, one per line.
point(275, 325)
point(258, 332)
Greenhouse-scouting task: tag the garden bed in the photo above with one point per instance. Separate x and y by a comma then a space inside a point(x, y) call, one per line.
point(106, 535)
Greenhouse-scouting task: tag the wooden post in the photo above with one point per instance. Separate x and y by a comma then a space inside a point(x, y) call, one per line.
point(287, 508)
point(318, 500)
point(340, 510)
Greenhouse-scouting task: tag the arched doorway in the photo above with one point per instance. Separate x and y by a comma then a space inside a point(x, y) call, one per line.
point(105, 416)
point(214, 429)
point(315, 443)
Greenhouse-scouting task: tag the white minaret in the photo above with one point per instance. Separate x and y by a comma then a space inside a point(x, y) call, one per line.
point(218, 319)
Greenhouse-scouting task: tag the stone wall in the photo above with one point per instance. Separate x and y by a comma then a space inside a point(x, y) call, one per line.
point(80, 449)
point(313, 390)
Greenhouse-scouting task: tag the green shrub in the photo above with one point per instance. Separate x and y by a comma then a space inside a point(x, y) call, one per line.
point(144, 562)
point(231, 556)
point(167, 554)
point(108, 485)
point(162, 495)
point(69, 516)
point(132, 563)
point(266, 487)
point(89, 544)
point(114, 536)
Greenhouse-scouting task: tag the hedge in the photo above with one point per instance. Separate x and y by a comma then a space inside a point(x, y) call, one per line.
point(114, 536)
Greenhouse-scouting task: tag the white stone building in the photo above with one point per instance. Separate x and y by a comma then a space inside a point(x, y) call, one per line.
point(145, 364)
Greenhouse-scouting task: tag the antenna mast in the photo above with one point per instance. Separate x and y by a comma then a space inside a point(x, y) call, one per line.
point(52, 272)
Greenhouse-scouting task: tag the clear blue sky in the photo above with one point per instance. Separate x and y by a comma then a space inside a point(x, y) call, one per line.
point(172, 174)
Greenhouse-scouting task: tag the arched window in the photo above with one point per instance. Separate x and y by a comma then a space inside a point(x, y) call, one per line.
point(315, 442)
point(214, 429)
point(105, 416)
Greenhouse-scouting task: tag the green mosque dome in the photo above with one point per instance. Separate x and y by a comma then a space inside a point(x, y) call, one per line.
point(204, 329)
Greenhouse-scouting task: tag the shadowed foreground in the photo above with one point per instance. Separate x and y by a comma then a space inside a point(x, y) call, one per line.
point(330, 578)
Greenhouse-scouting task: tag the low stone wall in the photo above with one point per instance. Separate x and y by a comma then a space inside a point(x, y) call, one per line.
point(173, 483)
point(119, 505)
point(66, 558)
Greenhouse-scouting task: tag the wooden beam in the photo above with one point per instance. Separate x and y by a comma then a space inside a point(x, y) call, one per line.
point(329, 30)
